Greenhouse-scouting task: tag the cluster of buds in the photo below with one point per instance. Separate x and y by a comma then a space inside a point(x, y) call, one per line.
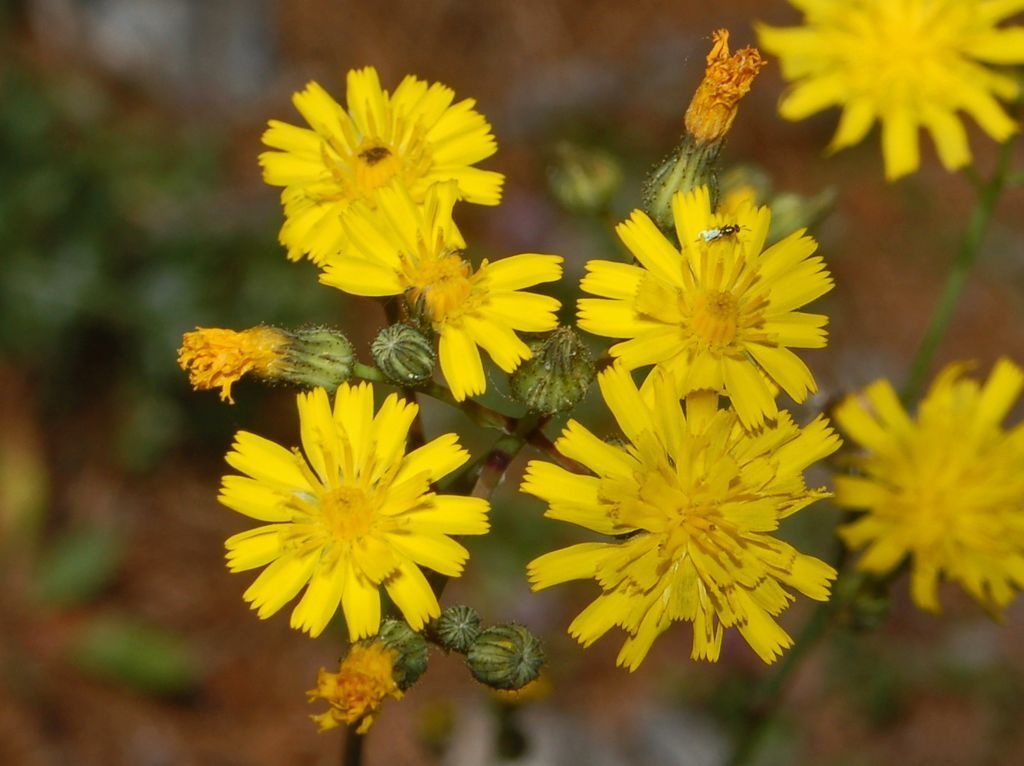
point(506, 657)
point(554, 379)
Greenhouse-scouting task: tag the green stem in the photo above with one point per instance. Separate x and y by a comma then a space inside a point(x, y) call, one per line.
point(480, 414)
point(481, 477)
point(352, 748)
point(988, 196)
point(765, 698)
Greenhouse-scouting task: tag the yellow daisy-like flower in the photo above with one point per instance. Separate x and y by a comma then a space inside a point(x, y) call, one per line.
point(907, 63)
point(365, 678)
point(402, 248)
point(717, 313)
point(417, 135)
point(353, 516)
point(693, 498)
point(945, 489)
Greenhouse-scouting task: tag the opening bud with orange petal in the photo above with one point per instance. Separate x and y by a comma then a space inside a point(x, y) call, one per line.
point(308, 357)
point(727, 79)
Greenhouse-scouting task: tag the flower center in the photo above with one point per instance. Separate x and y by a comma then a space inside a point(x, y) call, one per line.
point(442, 285)
point(715, 318)
point(348, 513)
point(374, 164)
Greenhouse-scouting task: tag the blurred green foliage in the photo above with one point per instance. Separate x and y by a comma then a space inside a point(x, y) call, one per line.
point(78, 565)
point(144, 658)
point(118, 236)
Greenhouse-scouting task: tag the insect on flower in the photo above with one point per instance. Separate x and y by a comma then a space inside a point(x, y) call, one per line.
point(710, 235)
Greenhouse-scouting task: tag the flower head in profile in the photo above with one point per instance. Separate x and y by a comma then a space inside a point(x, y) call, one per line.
point(944, 489)
point(218, 358)
point(355, 693)
point(907, 63)
point(309, 357)
point(355, 515)
point(416, 136)
point(693, 499)
point(401, 248)
point(719, 312)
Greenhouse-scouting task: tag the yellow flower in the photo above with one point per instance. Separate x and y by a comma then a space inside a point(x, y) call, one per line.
point(356, 514)
point(717, 313)
point(908, 63)
point(415, 250)
point(693, 499)
point(219, 358)
point(365, 678)
point(417, 135)
point(945, 489)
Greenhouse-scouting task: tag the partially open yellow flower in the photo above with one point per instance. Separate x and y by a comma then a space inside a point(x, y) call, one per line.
point(416, 136)
point(365, 678)
point(909, 64)
point(944, 489)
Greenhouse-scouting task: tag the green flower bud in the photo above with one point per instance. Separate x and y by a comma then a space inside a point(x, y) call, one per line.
point(505, 657)
point(316, 356)
point(457, 628)
point(692, 164)
point(557, 376)
point(411, 662)
point(583, 179)
point(404, 354)
point(709, 117)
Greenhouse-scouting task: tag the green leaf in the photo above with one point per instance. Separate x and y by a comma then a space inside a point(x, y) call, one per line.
point(144, 658)
point(79, 565)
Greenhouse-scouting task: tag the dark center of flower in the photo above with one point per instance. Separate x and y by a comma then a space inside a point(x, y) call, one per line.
point(374, 154)
point(375, 164)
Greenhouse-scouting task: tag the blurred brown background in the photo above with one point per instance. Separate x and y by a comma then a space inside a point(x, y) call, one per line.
point(131, 210)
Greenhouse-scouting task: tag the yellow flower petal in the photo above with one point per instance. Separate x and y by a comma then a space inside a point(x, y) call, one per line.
point(460, 364)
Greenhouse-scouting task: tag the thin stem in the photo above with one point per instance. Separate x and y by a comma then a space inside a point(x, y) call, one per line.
point(481, 477)
point(988, 195)
point(766, 696)
point(479, 413)
point(352, 748)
